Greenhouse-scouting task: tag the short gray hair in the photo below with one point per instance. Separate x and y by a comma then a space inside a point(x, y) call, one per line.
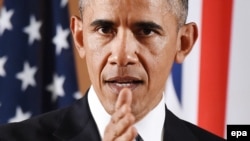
point(178, 7)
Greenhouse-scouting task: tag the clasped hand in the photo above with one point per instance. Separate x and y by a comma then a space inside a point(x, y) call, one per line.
point(121, 126)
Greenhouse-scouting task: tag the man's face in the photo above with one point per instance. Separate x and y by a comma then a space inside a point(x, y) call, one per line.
point(132, 44)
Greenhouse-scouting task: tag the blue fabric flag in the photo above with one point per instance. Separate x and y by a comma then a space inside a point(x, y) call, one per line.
point(37, 70)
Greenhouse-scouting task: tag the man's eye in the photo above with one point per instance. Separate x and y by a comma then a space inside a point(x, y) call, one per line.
point(105, 30)
point(146, 32)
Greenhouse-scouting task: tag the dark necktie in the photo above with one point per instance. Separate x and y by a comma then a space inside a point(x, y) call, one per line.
point(138, 138)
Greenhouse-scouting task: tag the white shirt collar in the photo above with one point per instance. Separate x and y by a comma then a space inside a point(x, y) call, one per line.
point(150, 127)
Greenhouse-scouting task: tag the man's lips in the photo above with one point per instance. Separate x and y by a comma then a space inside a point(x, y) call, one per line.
point(118, 83)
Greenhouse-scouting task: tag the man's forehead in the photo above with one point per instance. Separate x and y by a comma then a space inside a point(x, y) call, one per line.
point(127, 11)
point(127, 2)
point(132, 6)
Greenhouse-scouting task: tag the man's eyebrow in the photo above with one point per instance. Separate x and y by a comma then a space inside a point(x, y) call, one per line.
point(147, 24)
point(101, 22)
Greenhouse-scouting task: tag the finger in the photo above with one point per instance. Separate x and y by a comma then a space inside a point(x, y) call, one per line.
point(122, 119)
point(124, 97)
point(122, 105)
point(120, 113)
point(129, 135)
point(114, 130)
point(123, 124)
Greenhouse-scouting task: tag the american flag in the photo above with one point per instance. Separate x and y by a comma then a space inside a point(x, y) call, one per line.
point(37, 70)
point(211, 88)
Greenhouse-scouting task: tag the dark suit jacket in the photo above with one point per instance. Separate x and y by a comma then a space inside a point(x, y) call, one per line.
point(75, 123)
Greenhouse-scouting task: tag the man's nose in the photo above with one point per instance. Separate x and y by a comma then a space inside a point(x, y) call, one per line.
point(124, 50)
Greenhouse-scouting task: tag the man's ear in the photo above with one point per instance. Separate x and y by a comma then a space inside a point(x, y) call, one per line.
point(76, 27)
point(187, 36)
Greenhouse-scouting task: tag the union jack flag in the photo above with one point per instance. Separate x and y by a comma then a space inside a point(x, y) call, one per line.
point(211, 88)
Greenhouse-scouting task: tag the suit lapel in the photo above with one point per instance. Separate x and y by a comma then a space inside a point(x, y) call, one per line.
point(78, 123)
point(175, 129)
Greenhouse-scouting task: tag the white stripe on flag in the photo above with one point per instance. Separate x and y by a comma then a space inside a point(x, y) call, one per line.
point(238, 101)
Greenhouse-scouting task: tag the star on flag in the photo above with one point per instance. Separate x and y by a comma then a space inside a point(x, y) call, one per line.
point(27, 76)
point(33, 30)
point(2, 63)
point(60, 40)
point(64, 3)
point(5, 20)
point(20, 115)
point(56, 87)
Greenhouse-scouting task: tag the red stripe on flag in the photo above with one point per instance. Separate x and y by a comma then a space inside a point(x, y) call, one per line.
point(215, 45)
